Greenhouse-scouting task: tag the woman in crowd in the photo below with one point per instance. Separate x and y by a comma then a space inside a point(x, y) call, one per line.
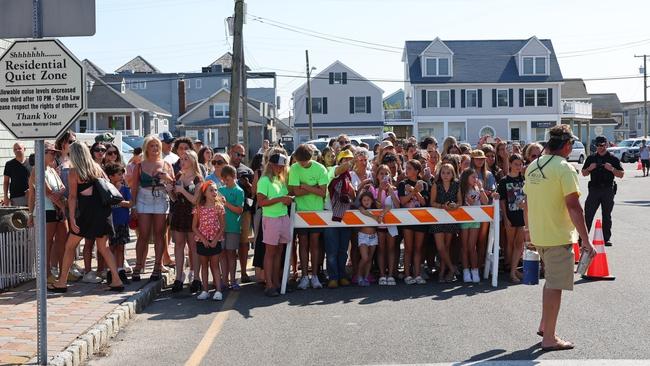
point(273, 197)
point(180, 219)
point(152, 182)
point(532, 152)
point(132, 163)
point(489, 184)
point(445, 194)
point(205, 157)
point(112, 154)
point(219, 160)
point(93, 219)
point(471, 194)
point(98, 151)
point(361, 174)
point(502, 155)
point(447, 145)
point(512, 195)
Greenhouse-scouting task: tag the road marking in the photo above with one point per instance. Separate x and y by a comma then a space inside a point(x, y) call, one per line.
point(536, 362)
point(213, 331)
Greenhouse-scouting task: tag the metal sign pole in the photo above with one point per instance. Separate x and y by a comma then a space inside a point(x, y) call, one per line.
point(39, 219)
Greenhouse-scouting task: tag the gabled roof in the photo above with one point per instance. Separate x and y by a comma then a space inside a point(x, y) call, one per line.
point(103, 96)
point(534, 39)
point(436, 41)
point(355, 76)
point(92, 68)
point(574, 89)
point(251, 103)
point(480, 61)
point(606, 102)
point(138, 66)
point(225, 61)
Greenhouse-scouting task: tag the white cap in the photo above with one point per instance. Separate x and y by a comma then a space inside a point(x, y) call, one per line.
point(388, 135)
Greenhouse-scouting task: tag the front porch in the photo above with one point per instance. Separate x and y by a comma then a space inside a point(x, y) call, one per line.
point(128, 122)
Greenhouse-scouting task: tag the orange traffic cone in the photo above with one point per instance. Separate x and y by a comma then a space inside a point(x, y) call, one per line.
point(576, 253)
point(599, 269)
point(639, 166)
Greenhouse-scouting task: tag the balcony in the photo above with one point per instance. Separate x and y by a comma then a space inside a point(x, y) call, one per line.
point(398, 116)
point(576, 109)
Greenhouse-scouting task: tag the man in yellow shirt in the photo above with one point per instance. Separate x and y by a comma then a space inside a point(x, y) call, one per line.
point(555, 219)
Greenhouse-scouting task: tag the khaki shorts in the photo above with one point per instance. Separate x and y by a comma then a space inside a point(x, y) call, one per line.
point(558, 266)
point(245, 221)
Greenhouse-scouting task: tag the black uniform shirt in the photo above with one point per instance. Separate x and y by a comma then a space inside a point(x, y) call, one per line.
point(601, 177)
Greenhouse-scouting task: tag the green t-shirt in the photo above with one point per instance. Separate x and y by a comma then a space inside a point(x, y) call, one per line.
point(315, 175)
point(234, 196)
point(272, 190)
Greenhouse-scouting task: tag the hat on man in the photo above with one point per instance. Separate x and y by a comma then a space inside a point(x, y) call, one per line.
point(166, 137)
point(105, 137)
point(477, 154)
point(388, 135)
point(386, 144)
point(345, 154)
point(600, 140)
point(197, 141)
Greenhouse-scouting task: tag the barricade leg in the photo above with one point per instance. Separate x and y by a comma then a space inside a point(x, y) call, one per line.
point(492, 254)
point(287, 255)
point(487, 269)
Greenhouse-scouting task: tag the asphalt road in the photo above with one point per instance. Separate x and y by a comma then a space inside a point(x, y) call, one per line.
point(434, 323)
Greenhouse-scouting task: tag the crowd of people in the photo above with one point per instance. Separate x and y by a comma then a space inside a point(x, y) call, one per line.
point(214, 209)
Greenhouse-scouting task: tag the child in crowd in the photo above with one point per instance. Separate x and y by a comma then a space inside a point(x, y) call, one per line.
point(465, 161)
point(121, 214)
point(208, 227)
point(386, 198)
point(445, 194)
point(234, 204)
point(367, 238)
point(412, 193)
point(511, 191)
point(472, 194)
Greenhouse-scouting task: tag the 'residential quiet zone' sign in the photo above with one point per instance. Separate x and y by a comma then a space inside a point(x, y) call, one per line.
point(42, 89)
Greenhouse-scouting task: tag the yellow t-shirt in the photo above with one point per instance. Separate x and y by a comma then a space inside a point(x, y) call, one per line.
point(549, 222)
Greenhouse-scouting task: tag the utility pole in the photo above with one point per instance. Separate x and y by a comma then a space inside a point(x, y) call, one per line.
point(235, 89)
point(311, 122)
point(244, 94)
point(645, 94)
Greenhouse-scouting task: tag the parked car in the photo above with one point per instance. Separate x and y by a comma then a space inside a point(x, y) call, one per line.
point(133, 141)
point(627, 150)
point(578, 153)
point(371, 140)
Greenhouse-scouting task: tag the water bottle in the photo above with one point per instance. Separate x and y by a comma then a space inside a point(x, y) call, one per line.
point(531, 267)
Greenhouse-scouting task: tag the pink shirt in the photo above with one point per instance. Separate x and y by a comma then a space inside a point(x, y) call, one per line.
point(208, 221)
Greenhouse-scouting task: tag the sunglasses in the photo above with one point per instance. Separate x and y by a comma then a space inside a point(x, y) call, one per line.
point(240, 155)
point(218, 162)
point(601, 145)
point(101, 150)
point(72, 141)
point(112, 152)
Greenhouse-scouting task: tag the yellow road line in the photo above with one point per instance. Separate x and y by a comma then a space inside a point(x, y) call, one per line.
point(213, 331)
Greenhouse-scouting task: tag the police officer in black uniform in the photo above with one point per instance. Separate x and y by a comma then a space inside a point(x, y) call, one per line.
point(603, 167)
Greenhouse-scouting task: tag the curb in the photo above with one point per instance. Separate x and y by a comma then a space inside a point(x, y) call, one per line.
point(98, 335)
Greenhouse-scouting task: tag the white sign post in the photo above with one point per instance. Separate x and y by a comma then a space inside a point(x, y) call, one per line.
point(42, 91)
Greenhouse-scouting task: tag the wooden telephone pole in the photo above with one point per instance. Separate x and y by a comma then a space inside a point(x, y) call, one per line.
point(235, 86)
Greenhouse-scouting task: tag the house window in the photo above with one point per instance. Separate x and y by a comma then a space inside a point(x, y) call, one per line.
point(457, 129)
point(338, 78)
point(471, 98)
point(536, 97)
point(435, 66)
point(360, 105)
point(83, 126)
point(487, 131)
point(221, 110)
point(534, 66)
point(438, 98)
point(502, 98)
point(198, 83)
point(529, 97)
point(225, 83)
point(317, 105)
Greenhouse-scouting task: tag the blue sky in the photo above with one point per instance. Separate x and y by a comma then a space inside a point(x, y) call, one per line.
point(179, 36)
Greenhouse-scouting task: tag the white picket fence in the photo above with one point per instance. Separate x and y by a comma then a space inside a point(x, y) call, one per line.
point(17, 258)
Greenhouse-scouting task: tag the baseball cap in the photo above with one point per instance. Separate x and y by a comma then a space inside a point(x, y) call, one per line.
point(345, 154)
point(279, 159)
point(105, 137)
point(388, 135)
point(386, 144)
point(600, 140)
point(166, 137)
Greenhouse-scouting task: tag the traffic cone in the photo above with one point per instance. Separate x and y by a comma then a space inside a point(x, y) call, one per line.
point(599, 269)
point(576, 253)
point(639, 166)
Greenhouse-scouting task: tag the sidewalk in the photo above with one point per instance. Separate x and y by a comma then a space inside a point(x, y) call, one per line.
point(69, 315)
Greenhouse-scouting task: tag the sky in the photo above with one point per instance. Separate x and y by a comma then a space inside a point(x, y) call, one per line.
point(593, 39)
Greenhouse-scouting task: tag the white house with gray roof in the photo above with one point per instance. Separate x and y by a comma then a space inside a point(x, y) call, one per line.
point(343, 101)
point(467, 89)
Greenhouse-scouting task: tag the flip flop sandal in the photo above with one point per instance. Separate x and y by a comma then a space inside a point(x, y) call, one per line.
point(58, 290)
point(559, 347)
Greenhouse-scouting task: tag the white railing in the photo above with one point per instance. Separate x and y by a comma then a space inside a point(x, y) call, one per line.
point(398, 115)
point(17, 258)
point(575, 107)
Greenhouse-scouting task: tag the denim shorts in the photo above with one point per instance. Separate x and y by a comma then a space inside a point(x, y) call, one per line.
point(156, 202)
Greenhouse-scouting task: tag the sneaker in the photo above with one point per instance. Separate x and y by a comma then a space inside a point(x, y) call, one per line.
point(73, 278)
point(364, 282)
point(103, 274)
point(304, 283)
point(177, 287)
point(420, 281)
point(218, 296)
point(76, 271)
point(371, 278)
point(91, 277)
point(344, 282)
point(332, 284)
point(409, 280)
point(204, 295)
point(390, 281)
point(315, 283)
point(235, 286)
point(127, 267)
point(195, 286)
point(467, 277)
point(475, 277)
point(382, 281)
point(425, 275)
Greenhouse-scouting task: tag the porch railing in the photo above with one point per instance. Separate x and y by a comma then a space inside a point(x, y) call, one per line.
point(17, 258)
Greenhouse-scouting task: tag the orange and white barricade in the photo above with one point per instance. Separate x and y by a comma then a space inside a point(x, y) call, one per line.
point(402, 217)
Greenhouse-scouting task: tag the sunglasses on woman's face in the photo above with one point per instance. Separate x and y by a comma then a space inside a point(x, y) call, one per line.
point(100, 149)
point(111, 152)
point(218, 162)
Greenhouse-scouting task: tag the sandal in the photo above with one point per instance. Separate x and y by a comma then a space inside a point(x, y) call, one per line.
point(562, 345)
point(58, 290)
point(135, 276)
point(514, 279)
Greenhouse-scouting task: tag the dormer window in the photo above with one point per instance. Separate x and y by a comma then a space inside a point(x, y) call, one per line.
point(436, 66)
point(534, 65)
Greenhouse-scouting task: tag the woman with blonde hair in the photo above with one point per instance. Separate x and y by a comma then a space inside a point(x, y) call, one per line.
point(152, 182)
point(219, 160)
point(88, 218)
point(183, 199)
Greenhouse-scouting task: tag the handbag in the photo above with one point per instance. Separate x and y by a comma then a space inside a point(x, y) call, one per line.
point(108, 193)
